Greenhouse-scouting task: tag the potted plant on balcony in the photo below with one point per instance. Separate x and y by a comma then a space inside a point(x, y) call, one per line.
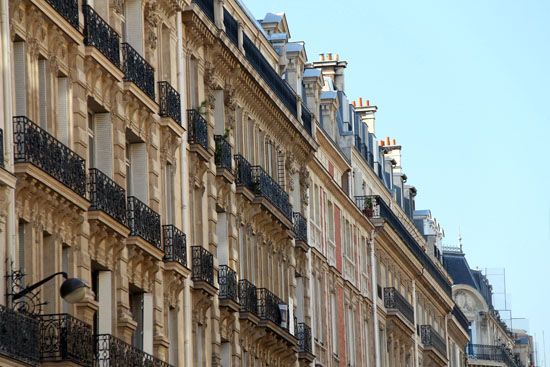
point(368, 210)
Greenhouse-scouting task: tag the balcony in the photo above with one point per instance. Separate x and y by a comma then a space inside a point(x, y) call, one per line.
point(248, 297)
point(306, 119)
point(175, 245)
point(65, 338)
point(303, 334)
point(19, 336)
point(223, 156)
point(1, 148)
point(202, 266)
point(265, 186)
point(112, 351)
point(198, 129)
point(396, 303)
point(68, 9)
point(170, 102)
point(36, 146)
point(244, 173)
point(300, 230)
point(268, 307)
point(138, 71)
point(461, 318)
point(143, 221)
point(107, 196)
point(494, 353)
point(231, 27)
point(431, 339)
point(229, 287)
point(207, 6)
point(374, 207)
point(99, 34)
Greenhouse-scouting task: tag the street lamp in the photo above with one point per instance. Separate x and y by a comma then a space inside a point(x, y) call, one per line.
point(73, 290)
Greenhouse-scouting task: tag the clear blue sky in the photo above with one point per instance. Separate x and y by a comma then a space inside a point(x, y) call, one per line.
point(465, 88)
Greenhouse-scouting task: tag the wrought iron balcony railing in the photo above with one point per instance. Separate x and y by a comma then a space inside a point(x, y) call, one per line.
point(461, 318)
point(36, 146)
point(431, 338)
point(68, 9)
point(19, 336)
point(65, 338)
point(227, 279)
point(170, 102)
point(1, 148)
point(300, 227)
point(143, 221)
point(248, 298)
point(223, 156)
point(395, 301)
point(374, 207)
point(175, 245)
point(99, 34)
point(112, 351)
point(138, 71)
point(203, 265)
point(198, 128)
point(207, 6)
point(269, 307)
point(306, 119)
point(231, 27)
point(244, 172)
point(303, 334)
point(265, 186)
point(495, 353)
point(107, 196)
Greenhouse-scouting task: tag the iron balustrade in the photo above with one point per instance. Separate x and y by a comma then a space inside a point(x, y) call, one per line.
point(243, 174)
point(203, 265)
point(222, 156)
point(36, 146)
point(198, 128)
point(231, 27)
point(303, 334)
point(65, 338)
point(106, 195)
point(99, 34)
point(138, 71)
point(1, 148)
point(19, 336)
point(374, 207)
point(227, 279)
point(143, 221)
point(268, 306)
point(300, 227)
point(169, 102)
point(306, 119)
point(431, 338)
point(461, 318)
point(395, 301)
point(68, 9)
point(112, 351)
point(265, 186)
point(175, 244)
point(207, 6)
point(497, 353)
point(248, 298)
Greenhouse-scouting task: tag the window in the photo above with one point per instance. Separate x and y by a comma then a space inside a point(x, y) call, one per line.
point(334, 321)
point(91, 141)
point(44, 93)
point(350, 336)
point(169, 193)
point(136, 308)
point(331, 255)
point(21, 253)
point(63, 130)
point(173, 336)
point(20, 77)
point(137, 183)
point(132, 30)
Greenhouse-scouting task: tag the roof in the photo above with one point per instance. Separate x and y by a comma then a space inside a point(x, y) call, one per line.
point(332, 94)
point(458, 268)
point(312, 72)
point(272, 18)
point(294, 47)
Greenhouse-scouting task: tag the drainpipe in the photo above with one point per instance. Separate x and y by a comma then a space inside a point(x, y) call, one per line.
point(374, 301)
point(415, 335)
point(188, 343)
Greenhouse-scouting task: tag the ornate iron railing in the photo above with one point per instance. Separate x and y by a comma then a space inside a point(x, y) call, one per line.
point(461, 318)
point(306, 119)
point(300, 227)
point(138, 71)
point(143, 221)
point(268, 306)
point(68, 9)
point(106, 195)
point(203, 265)
point(35, 145)
point(112, 351)
point(227, 279)
point(266, 186)
point(231, 27)
point(223, 156)
point(1, 148)
point(19, 336)
point(303, 334)
point(430, 337)
point(99, 34)
point(374, 207)
point(175, 244)
point(207, 6)
point(495, 353)
point(65, 338)
point(248, 298)
point(243, 174)
point(170, 102)
point(198, 128)
point(394, 300)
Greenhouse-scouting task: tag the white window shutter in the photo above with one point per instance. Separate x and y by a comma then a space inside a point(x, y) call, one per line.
point(103, 134)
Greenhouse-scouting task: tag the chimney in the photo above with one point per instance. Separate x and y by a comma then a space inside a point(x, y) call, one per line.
point(360, 101)
point(322, 57)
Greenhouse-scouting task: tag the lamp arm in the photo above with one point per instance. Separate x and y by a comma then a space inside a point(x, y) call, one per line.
point(32, 287)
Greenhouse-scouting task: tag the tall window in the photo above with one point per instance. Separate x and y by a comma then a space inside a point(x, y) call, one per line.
point(350, 336)
point(20, 77)
point(334, 321)
point(314, 217)
point(136, 308)
point(44, 93)
point(331, 234)
point(91, 141)
point(169, 193)
point(63, 130)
